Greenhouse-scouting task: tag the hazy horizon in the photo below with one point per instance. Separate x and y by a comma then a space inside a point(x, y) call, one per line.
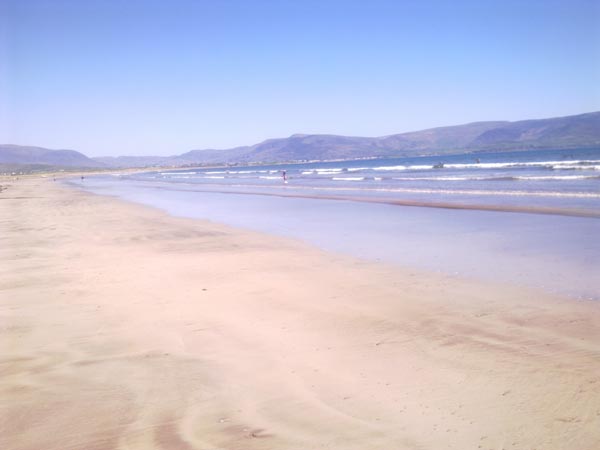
point(154, 78)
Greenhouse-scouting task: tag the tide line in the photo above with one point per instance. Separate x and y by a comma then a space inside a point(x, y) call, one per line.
point(570, 212)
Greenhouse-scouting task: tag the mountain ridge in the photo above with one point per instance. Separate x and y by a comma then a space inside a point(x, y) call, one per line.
point(577, 131)
point(11, 154)
point(582, 130)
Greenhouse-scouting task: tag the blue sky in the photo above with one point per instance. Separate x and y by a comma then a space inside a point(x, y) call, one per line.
point(164, 77)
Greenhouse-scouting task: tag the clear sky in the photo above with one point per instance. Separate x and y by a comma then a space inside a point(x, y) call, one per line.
point(164, 77)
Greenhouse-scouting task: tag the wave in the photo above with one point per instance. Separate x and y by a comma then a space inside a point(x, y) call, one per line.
point(328, 171)
point(586, 165)
point(391, 168)
point(558, 177)
point(580, 167)
point(440, 178)
point(178, 173)
point(575, 164)
point(337, 170)
point(373, 189)
point(343, 193)
point(222, 174)
point(557, 165)
point(501, 178)
point(237, 172)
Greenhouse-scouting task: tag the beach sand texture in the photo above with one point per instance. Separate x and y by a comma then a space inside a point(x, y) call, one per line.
point(124, 328)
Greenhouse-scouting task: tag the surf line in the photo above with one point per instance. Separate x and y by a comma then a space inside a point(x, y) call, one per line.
point(570, 212)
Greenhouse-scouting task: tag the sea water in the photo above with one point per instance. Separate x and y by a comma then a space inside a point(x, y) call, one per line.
point(453, 231)
point(555, 178)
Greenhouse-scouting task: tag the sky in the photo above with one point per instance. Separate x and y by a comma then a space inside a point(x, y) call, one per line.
point(164, 77)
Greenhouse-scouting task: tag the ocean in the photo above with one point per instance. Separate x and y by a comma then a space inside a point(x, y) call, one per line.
point(529, 218)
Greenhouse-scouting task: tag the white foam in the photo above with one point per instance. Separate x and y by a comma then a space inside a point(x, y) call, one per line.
point(394, 167)
point(420, 167)
point(331, 170)
point(574, 164)
point(178, 173)
point(442, 178)
point(348, 178)
point(579, 167)
point(439, 191)
point(438, 178)
point(558, 177)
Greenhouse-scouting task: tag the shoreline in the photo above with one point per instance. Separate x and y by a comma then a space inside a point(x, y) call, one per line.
point(548, 252)
point(188, 334)
point(544, 210)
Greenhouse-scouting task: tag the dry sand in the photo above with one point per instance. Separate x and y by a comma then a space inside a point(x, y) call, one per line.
point(124, 328)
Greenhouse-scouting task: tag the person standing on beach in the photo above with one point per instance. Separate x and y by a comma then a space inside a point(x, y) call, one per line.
point(284, 175)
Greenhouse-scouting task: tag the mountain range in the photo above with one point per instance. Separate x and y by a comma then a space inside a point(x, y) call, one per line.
point(577, 131)
point(26, 155)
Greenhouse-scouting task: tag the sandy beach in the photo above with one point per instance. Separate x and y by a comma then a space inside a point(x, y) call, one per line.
point(124, 328)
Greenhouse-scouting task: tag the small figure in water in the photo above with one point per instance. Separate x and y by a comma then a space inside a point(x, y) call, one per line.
point(477, 160)
point(284, 176)
point(82, 177)
point(439, 165)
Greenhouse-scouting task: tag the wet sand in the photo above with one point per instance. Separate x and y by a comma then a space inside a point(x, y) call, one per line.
point(546, 210)
point(124, 328)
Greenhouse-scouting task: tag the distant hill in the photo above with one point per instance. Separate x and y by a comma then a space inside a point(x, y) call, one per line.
point(563, 132)
point(11, 155)
point(578, 131)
